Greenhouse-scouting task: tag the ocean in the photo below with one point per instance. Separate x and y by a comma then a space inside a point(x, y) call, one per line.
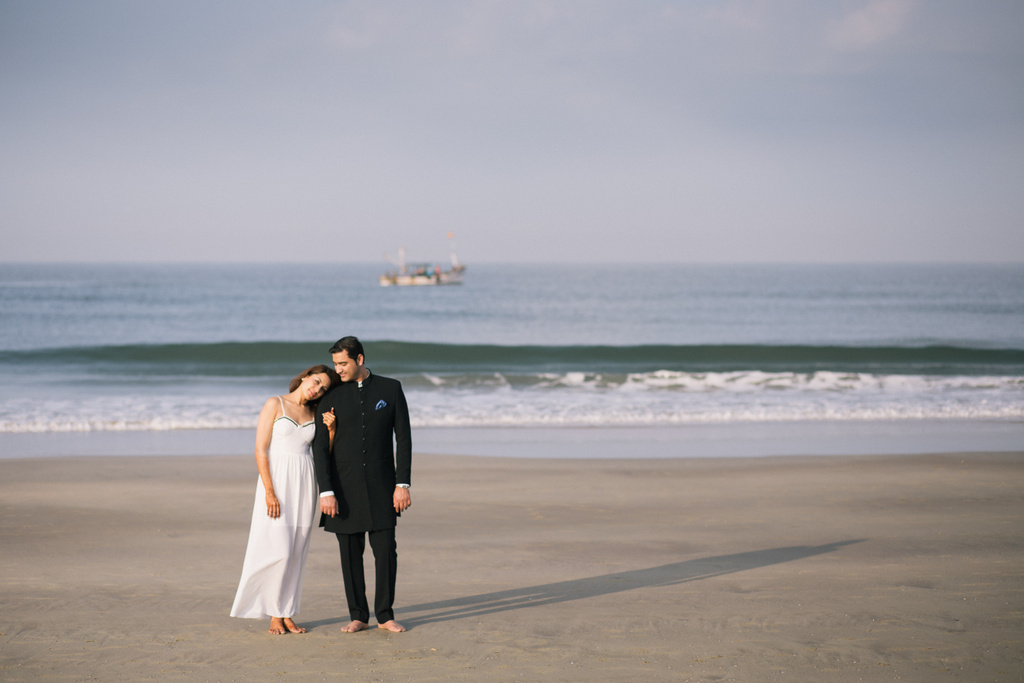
point(172, 353)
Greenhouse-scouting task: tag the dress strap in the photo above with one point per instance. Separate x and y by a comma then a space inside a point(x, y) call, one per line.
point(281, 401)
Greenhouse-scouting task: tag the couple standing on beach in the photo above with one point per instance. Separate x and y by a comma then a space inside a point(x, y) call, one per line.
point(347, 431)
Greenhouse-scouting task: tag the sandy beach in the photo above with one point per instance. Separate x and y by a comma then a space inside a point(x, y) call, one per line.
point(860, 568)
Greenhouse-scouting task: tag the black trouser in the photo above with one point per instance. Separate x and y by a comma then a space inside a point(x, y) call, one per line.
point(385, 556)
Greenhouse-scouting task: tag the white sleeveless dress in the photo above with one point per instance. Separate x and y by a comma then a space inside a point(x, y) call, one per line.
point(275, 558)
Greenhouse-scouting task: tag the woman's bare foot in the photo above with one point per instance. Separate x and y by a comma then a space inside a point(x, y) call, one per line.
point(291, 626)
point(277, 626)
point(354, 627)
point(392, 626)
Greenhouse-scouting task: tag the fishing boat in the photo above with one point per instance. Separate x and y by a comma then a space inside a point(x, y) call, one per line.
point(422, 274)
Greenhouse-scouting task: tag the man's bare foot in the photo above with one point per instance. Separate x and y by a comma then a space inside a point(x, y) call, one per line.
point(392, 626)
point(291, 626)
point(277, 626)
point(354, 627)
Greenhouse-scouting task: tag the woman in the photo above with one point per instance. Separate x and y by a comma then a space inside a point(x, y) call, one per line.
point(286, 504)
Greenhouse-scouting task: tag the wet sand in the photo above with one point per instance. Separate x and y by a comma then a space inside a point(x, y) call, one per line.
point(838, 568)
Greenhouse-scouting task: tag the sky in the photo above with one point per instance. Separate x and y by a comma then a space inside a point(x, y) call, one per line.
point(541, 131)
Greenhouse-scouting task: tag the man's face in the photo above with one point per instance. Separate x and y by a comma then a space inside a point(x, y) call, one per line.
point(349, 369)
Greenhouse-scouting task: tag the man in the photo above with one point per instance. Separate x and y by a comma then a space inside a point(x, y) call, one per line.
point(364, 478)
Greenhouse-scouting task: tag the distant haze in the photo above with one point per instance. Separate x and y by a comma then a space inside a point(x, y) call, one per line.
point(544, 131)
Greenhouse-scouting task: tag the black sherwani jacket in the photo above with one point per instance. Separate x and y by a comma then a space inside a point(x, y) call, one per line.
point(372, 452)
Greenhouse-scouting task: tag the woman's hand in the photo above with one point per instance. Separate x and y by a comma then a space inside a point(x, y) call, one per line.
point(273, 506)
point(329, 420)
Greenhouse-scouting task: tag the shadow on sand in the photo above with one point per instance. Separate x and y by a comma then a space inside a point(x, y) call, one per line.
point(606, 584)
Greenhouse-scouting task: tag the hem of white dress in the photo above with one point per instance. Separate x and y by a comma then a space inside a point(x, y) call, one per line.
point(263, 616)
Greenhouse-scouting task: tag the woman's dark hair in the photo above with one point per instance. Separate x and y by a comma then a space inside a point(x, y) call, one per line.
point(316, 369)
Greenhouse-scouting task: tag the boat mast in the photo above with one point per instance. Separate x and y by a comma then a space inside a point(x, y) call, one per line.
point(455, 259)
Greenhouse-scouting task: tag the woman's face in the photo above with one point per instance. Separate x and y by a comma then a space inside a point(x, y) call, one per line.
point(314, 386)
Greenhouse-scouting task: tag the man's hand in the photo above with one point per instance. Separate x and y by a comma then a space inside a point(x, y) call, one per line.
point(402, 499)
point(329, 506)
